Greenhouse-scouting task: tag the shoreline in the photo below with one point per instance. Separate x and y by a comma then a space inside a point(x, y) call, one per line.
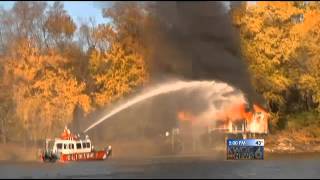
point(206, 156)
point(281, 143)
point(216, 155)
point(274, 147)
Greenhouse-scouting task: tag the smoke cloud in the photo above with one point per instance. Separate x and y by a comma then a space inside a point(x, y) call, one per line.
point(188, 41)
point(196, 41)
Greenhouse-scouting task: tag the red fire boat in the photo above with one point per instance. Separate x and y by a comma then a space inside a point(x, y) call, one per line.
point(72, 148)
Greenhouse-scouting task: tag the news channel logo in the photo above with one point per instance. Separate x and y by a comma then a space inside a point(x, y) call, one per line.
point(245, 149)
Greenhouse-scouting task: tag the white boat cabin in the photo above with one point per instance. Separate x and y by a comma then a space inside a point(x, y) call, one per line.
point(69, 146)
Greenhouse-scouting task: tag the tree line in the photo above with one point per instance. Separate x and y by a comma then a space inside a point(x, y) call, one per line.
point(280, 41)
point(49, 65)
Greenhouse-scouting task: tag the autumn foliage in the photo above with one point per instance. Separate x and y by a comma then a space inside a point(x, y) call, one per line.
point(50, 65)
point(48, 70)
point(280, 43)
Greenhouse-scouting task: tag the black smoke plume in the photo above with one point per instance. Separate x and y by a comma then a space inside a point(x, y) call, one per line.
point(185, 40)
point(196, 41)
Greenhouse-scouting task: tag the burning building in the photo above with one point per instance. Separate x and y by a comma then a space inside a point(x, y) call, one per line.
point(233, 121)
point(236, 119)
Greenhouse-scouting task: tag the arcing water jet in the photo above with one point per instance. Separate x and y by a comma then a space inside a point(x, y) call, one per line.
point(212, 91)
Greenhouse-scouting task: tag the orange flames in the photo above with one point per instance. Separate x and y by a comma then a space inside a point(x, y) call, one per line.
point(233, 113)
point(255, 121)
point(185, 116)
point(258, 123)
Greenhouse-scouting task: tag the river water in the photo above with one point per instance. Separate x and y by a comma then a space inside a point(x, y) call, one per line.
point(275, 166)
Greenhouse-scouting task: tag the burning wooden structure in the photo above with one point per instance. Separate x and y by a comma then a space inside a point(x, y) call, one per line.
point(236, 119)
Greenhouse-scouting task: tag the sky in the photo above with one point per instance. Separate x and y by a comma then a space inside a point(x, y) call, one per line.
point(79, 10)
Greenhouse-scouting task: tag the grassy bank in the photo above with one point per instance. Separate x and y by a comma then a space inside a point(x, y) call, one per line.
point(296, 132)
point(17, 152)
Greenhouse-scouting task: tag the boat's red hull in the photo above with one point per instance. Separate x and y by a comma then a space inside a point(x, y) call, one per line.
point(98, 155)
